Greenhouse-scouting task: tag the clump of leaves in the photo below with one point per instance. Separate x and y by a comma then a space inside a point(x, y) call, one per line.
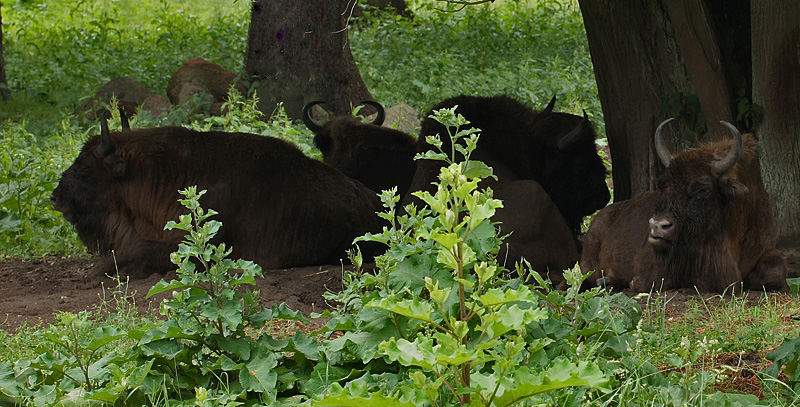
point(458, 334)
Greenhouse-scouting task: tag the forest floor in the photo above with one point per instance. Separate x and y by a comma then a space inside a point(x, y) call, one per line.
point(32, 291)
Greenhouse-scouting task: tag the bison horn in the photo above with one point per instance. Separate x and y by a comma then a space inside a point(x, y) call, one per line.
point(381, 113)
point(722, 166)
point(568, 140)
point(550, 105)
point(306, 115)
point(661, 148)
point(106, 145)
point(123, 118)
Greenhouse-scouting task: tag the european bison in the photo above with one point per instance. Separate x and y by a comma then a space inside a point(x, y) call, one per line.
point(379, 157)
point(555, 149)
point(278, 207)
point(529, 152)
point(708, 225)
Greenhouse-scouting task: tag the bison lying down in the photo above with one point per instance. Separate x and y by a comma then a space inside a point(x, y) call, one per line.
point(278, 207)
point(555, 149)
point(549, 175)
point(379, 157)
point(708, 225)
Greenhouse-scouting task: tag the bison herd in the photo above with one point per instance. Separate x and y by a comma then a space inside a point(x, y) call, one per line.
point(706, 225)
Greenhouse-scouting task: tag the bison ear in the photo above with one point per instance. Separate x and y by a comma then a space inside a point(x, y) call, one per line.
point(732, 189)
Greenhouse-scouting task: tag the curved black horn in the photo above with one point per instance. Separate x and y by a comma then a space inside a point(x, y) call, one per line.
point(569, 139)
point(306, 115)
point(123, 119)
point(106, 146)
point(661, 148)
point(550, 105)
point(722, 166)
point(381, 113)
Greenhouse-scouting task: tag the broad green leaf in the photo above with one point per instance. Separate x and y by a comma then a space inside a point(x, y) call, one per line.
point(258, 374)
point(508, 318)
point(523, 383)
point(104, 335)
point(477, 169)
point(326, 375)
point(496, 296)
point(414, 308)
point(163, 286)
point(8, 382)
point(447, 240)
point(340, 397)
point(421, 352)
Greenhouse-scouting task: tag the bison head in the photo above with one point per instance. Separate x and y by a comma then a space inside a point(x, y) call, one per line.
point(694, 191)
point(378, 157)
point(79, 195)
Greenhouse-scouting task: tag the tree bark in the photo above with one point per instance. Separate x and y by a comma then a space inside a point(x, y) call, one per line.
point(298, 52)
point(637, 64)
point(776, 88)
point(5, 93)
point(653, 60)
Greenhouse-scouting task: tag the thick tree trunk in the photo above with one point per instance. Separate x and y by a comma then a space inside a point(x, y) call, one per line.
point(648, 57)
point(298, 52)
point(776, 88)
point(637, 65)
point(5, 93)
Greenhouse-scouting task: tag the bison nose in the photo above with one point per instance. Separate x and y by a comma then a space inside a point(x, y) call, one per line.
point(53, 200)
point(661, 228)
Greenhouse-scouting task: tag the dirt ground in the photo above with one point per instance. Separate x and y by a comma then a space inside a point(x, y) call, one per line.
point(32, 291)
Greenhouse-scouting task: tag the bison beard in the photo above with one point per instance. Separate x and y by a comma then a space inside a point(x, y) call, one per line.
point(708, 225)
point(278, 207)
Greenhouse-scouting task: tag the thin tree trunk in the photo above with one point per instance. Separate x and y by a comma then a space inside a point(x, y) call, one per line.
point(5, 93)
point(776, 88)
point(298, 52)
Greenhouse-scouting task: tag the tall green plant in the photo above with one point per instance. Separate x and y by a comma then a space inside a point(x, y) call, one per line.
point(459, 334)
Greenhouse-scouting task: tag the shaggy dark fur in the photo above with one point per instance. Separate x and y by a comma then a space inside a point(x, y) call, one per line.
point(699, 229)
point(278, 207)
point(379, 157)
point(527, 142)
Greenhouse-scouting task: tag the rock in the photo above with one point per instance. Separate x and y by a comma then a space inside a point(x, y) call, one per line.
point(402, 117)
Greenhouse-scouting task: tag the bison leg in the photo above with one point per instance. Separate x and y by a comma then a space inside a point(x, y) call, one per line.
point(768, 274)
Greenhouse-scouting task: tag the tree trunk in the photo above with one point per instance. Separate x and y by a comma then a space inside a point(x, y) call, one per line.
point(653, 60)
point(298, 52)
point(5, 93)
point(637, 64)
point(776, 88)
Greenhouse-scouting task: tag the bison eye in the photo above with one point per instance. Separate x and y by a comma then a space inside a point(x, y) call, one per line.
point(700, 188)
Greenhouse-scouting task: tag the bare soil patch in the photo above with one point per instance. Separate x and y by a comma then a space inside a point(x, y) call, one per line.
point(32, 291)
